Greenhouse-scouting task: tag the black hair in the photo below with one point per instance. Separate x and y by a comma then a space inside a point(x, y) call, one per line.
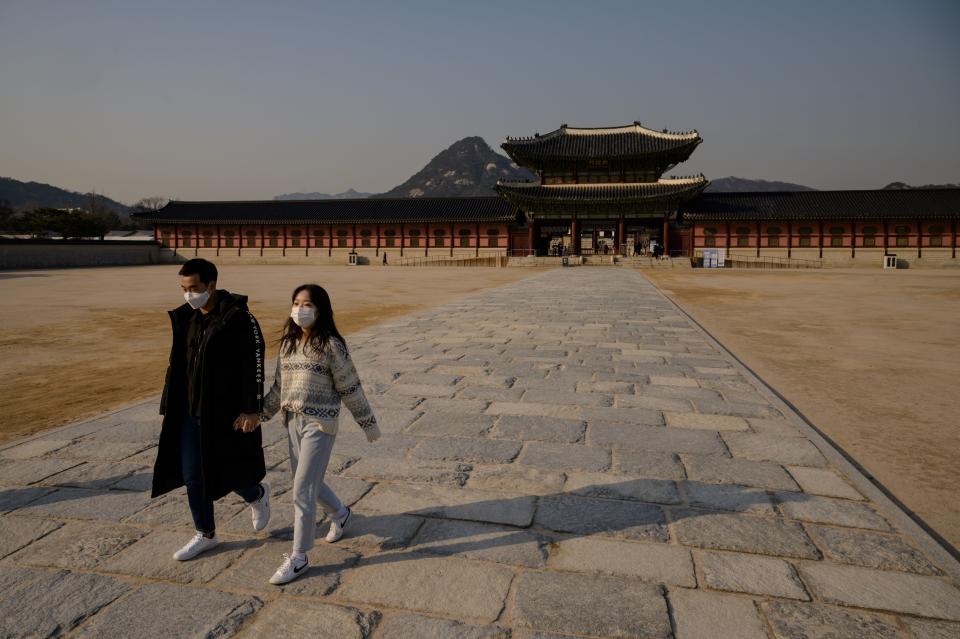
point(205, 269)
point(323, 327)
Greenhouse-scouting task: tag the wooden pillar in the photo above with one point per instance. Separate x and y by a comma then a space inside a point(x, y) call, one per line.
point(789, 240)
point(378, 240)
point(886, 242)
point(284, 240)
point(263, 238)
point(820, 223)
point(728, 239)
point(239, 241)
point(621, 233)
point(531, 239)
point(759, 238)
point(575, 235)
point(953, 225)
point(451, 239)
point(353, 242)
point(402, 238)
point(196, 239)
point(853, 239)
point(666, 235)
point(478, 240)
point(218, 240)
point(919, 239)
point(176, 238)
point(426, 247)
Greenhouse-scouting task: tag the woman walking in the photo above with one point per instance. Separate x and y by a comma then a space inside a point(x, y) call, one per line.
point(314, 373)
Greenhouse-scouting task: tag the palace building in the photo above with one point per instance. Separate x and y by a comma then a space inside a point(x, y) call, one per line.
point(602, 183)
point(331, 229)
point(597, 191)
point(836, 227)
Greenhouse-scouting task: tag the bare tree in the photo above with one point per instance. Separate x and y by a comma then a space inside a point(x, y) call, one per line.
point(108, 218)
point(6, 214)
point(149, 204)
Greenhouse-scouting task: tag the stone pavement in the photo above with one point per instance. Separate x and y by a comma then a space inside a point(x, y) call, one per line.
point(567, 455)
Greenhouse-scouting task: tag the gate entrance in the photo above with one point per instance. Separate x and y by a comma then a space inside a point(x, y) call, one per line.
point(555, 237)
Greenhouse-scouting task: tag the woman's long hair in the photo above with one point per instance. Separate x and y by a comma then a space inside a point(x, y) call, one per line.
point(323, 327)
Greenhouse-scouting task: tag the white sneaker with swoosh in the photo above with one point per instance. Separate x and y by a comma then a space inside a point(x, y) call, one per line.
point(337, 526)
point(289, 570)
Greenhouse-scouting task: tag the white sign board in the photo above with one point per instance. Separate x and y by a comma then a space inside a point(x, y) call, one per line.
point(714, 257)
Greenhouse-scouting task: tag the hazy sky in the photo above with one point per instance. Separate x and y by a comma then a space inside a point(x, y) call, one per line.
point(232, 100)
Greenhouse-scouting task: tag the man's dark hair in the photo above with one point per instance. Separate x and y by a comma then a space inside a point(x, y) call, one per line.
point(205, 269)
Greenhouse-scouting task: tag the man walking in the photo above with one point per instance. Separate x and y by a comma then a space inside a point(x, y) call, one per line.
point(211, 403)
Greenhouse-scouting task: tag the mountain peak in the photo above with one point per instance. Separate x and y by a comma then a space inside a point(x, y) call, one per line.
point(467, 167)
point(25, 195)
point(903, 186)
point(742, 185)
point(349, 194)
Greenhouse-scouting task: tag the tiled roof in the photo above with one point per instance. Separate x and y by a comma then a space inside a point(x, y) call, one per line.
point(631, 141)
point(386, 210)
point(521, 193)
point(806, 205)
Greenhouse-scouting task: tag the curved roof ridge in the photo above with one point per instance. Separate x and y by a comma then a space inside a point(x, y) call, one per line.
point(671, 181)
point(636, 127)
point(678, 179)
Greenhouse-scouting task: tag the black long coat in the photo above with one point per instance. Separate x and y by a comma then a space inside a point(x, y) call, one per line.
point(231, 360)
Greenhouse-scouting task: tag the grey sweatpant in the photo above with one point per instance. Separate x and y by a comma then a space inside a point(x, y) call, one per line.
point(309, 454)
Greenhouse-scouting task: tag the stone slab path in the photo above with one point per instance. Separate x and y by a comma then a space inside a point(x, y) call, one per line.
point(567, 455)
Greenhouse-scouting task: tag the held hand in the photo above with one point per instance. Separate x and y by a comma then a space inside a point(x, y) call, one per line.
point(246, 422)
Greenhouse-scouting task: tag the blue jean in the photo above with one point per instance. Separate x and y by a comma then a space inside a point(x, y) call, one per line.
point(191, 461)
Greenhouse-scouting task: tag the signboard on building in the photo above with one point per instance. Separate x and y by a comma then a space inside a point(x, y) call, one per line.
point(714, 257)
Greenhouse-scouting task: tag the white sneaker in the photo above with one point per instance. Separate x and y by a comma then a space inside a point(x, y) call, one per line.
point(336, 527)
point(260, 509)
point(195, 546)
point(289, 570)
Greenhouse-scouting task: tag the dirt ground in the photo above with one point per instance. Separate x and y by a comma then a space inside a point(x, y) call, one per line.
point(871, 357)
point(79, 342)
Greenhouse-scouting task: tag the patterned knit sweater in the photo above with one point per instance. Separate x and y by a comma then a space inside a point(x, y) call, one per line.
point(313, 384)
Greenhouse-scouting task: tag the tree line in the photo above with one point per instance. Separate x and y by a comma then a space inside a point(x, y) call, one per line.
point(94, 220)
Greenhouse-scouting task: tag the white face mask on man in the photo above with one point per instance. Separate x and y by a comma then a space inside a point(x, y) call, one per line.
point(303, 316)
point(197, 300)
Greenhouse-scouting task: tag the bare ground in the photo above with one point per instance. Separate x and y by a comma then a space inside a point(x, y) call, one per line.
point(79, 342)
point(871, 357)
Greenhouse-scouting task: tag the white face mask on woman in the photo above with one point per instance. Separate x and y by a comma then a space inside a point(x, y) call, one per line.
point(303, 316)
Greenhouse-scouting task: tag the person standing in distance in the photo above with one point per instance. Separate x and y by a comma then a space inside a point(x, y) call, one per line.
point(212, 397)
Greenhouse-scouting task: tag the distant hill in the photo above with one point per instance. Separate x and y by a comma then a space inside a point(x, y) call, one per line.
point(467, 167)
point(743, 185)
point(349, 194)
point(36, 194)
point(900, 186)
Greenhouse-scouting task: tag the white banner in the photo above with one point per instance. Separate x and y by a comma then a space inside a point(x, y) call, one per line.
point(714, 257)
